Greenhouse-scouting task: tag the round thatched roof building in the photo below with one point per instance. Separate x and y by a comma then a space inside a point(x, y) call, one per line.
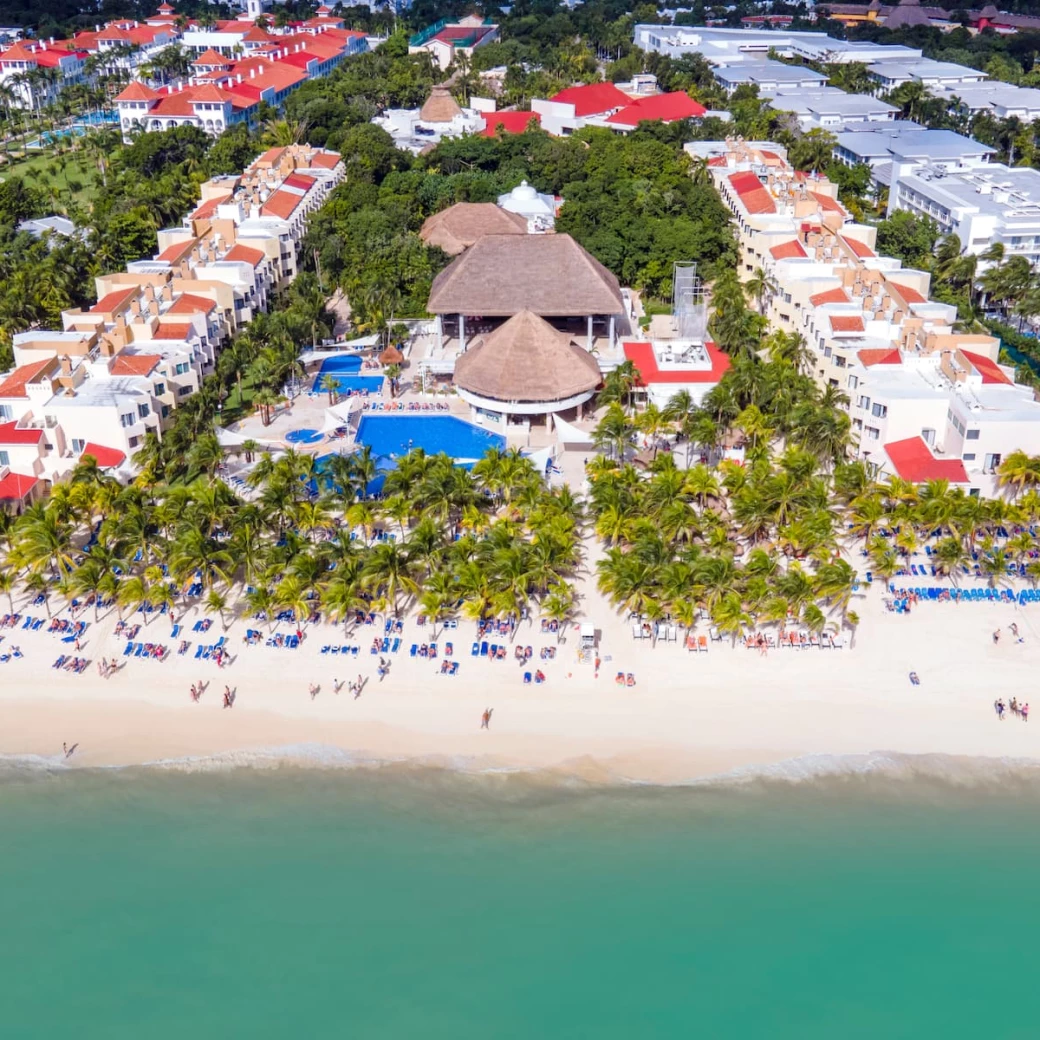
point(526, 367)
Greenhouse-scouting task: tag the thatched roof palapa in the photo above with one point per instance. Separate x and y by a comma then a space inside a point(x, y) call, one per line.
point(501, 275)
point(391, 356)
point(458, 227)
point(440, 106)
point(527, 360)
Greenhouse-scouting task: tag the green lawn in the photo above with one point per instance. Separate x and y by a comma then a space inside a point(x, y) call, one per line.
point(54, 173)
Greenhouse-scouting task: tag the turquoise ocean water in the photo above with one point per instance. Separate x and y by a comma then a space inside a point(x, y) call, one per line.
point(407, 903)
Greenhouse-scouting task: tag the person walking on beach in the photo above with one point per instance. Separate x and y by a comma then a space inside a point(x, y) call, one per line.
point(1024, 712)
point(996, 636)
point(485, 719)
point(314, 690)
point(999, 708)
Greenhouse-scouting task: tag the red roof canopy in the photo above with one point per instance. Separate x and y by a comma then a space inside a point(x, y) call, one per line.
point(10, 434)
point(507, 122)
point(879, 356)
point(593, 98)
point(667, 108)
point(990, 371)
point(787, 250)
point(14, 487)
point(914, 461)
point(641, 354)
point(107, 458)
point(829, 296)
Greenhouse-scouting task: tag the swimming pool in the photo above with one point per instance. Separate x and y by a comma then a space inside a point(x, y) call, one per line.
point(344, 370)
point(304, 435)
point(391, 435)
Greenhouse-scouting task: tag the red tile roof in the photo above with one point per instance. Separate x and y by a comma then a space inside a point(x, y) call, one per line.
point(133, 364)
point(174, 105)
point(593, 98)
point(857, 247)
point(277, 77)
point(787, 250)
point(641, 354)
point(908, 294)
point(666, 108)
point(209, 207)
point(10, 434)
point(173, 330)
point(212, 57)
point(281, 204)
point(106, 457)
point(846, 323)
point(178, 251)
point(245, 254)
point(990, 371)
point(753, 195)
point(325, 160)
point(913, 461)
point(115, 301)
point(830, 296)
point(300, 181)
point(507, 122)
point(882, 356)
point(827, 203)
point(14, 487)
point(269, 158)
point(14, 384)
point(137, 92)
point(189, 303)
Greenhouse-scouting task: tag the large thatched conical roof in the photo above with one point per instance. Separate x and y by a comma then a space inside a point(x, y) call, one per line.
point(391, 356)
point(906, 15)
point(527, 360)
point(501, 275)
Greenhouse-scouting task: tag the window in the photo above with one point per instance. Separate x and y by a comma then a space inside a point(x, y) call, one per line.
point(872, 433)
point(6, 412)
point(5, 459)
point(839, 360)
point(143, 410)
point(127, 420)
point(78, 446)
point(928, 436)
point(826, 351)
point(160, 389)
point(853, 382)
point(134, 441)
point(864, 402)
point(879, 411)
point(972, 435)
point(165, 410)
point(181, 368)
point(183, 391)
point(968, 457)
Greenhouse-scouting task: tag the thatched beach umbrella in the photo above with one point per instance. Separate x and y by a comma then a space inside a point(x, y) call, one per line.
point(391, 356)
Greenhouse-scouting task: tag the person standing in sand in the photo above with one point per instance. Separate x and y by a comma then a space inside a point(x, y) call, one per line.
point(485, 719)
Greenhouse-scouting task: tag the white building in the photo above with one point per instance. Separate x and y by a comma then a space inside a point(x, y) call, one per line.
point(537, 209)
point(446, 41)
point(769, 76)
point(733, 46)
point(981, 205)
point(892, 153)
point(419, 129)
point(932, 74)
point(829, 109)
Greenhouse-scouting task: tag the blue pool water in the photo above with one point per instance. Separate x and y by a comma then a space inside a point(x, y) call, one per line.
point(345, 371)
point(389, 435)
point(304, 436)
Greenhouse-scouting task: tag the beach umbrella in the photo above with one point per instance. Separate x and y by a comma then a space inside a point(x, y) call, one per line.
point(391, 356)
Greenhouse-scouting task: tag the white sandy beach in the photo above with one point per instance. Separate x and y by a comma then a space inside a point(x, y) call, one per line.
point(690, 714)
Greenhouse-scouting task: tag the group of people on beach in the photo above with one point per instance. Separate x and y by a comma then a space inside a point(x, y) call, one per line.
point(106, 668)
point(1013, 629)
point(1020, 711)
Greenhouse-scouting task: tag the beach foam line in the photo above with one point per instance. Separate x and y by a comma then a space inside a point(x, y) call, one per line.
point(902, 769)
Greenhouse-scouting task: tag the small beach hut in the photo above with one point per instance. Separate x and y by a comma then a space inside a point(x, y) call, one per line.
point(391, 356)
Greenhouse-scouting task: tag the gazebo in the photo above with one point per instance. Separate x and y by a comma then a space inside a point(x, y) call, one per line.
point(550, 275)
point(526, 367)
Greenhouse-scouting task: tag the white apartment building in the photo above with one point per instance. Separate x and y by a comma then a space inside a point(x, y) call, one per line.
point(734, 46)
point(118, 370)
point(980, 204)
point(925, 402)
point(1001, 100)
point(892, 153)
point(828, 108)
point(934, 75)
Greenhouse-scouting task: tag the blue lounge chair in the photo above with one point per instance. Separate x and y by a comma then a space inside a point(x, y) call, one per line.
point(483, 649)
point(198, 651)
point(396, 645)
point(527, 678)
point(176, 631)
point(129, 650)
point(475, 651)
point(414, 650)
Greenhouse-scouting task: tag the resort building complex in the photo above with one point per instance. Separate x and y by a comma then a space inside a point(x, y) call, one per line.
point(115, 372)
point(925, 400)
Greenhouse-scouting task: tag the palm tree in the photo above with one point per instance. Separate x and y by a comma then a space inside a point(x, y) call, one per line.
point(330, 385)
point(760, 286)
point(389, 569)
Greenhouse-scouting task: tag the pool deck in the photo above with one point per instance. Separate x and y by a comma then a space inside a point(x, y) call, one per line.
point(308, 410)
